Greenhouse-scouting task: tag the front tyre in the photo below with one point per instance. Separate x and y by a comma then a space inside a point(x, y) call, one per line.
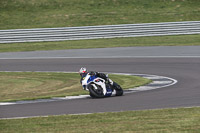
point(95, 93)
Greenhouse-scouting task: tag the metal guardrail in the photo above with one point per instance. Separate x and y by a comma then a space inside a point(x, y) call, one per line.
point(95, 32)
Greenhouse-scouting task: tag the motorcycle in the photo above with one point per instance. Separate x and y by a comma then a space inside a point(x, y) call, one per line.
point(99, 88)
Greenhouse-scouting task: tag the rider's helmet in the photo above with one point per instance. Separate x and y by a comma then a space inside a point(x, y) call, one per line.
point(82, 71)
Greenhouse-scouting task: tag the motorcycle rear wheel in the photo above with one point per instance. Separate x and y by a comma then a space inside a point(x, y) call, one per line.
point(118, 89)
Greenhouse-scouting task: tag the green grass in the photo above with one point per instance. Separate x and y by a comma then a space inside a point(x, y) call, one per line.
point(34, 85)
point(17, 14)
point(148, 121)
point(181, 40)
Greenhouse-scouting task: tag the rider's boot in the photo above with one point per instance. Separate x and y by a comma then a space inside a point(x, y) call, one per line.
point(114, 85)
point(110, 81)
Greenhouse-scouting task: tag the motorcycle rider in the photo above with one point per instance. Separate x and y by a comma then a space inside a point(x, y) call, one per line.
point(83, 73)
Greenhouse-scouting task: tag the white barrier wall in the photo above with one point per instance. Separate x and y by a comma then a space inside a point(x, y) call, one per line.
point(103, 31)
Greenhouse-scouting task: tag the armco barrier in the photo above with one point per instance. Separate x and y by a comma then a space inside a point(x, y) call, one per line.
point(103, 31)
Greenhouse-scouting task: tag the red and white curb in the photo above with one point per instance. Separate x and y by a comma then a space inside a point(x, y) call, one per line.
point(157, 82)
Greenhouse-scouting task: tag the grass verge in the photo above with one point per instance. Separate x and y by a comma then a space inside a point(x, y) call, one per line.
point(20, 14)
point(35, 85)
point(179, 40)
point(164, 120)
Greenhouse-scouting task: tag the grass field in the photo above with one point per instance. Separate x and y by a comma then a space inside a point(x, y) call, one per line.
point(181, 40)
point(149, 121)
point(35, 85)
point(16, 14)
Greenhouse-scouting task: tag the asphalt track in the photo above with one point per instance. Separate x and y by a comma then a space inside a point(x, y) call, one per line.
point(180, 63)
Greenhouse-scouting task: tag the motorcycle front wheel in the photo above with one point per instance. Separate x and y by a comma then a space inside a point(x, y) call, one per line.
point(95, 93)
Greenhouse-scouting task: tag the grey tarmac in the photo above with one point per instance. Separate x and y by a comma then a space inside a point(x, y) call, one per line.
point(186, 93)
point(119, 52)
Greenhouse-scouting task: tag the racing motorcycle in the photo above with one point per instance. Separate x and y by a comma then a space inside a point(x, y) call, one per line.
point(99, 88)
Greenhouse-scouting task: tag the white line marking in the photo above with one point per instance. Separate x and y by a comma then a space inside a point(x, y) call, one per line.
point(6, 103)
point(73, 97)
point(160, 82)
point(90, 57)
point(153, 77)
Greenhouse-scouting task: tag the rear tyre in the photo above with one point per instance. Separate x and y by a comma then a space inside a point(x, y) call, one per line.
point(119, 90)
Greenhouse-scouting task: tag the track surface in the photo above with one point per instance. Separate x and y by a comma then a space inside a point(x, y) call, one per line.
point(185, 69)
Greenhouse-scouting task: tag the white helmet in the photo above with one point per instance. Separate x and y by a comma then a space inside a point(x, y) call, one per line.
point(83, 70)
